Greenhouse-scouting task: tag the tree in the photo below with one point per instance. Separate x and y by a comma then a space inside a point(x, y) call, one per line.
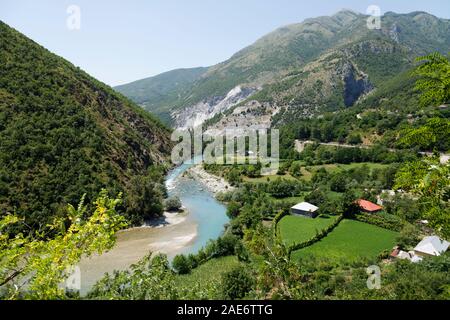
point(316, 197)
point(348, 205)
point(434, 84)
point(430, 181)
point(355, 139)
point(435, 134)
point(173, 204)
point(296, 170)
point(145, 199)
point(181, 264)
point(320, 176)
point(236, 283)
point(43, 265)
point(434, 79)
point(408, 237)
point(338, 183)
point(233, 209)
point(278, 276)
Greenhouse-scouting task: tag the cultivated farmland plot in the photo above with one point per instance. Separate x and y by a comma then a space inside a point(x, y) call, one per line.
point(350, 240)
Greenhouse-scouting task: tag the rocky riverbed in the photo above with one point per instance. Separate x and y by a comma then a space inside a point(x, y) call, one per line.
point(213, 183)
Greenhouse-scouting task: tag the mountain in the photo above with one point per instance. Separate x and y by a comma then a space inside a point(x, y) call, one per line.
point(325, 63)
point(63, 134)
point(164, 89)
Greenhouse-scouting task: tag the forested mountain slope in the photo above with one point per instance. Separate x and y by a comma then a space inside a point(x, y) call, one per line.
point(63, 134)
point(156, 92)
point(324, 63)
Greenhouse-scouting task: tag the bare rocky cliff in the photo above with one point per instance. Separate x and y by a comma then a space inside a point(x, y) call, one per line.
point(196, 115)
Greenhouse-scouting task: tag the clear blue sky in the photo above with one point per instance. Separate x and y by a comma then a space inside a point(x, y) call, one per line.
point(123, 41)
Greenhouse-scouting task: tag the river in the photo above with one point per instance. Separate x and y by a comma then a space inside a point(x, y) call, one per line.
point(178, 233)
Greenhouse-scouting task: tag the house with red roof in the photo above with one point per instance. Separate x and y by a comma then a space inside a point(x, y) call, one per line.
point(368, 206)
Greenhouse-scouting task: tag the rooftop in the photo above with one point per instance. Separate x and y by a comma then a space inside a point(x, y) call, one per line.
point(368, 206)
point(432, 245)
point(305, 206)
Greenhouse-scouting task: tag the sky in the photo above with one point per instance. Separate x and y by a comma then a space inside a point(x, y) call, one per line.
point(122, 41)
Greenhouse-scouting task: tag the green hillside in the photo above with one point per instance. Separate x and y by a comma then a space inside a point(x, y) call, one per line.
point(162, 90)
point(337, 56)
point(63, 134)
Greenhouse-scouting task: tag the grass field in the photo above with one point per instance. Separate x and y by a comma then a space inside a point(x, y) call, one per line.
point(265, 179)
point(307, 174)
point(351, 240)
point(334, 195)
point(370, 165)
point(293, 200)
point(294, 229)
point(211, 271)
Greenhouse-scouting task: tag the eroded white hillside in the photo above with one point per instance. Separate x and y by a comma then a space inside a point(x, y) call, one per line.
point(194, 116)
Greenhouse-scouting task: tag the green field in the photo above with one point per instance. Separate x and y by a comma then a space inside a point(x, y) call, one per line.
point(351, 240)
point(307, 174)
point(370, 165)
point(265, 179)
point(334, 195)
point(209, 272)
point(295, 229)
point(293, 200)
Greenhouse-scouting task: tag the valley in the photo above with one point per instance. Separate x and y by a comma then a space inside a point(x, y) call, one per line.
point(354, 120)
point(176, 233)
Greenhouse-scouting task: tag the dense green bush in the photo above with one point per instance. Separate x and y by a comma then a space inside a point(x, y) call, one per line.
point(408, 237)
point(382, 220)
point(316, 197)
point(181, 264)
point(233, 209)
point(237, 283)
point(173, 204)
point(226, 245)
point(354, 139)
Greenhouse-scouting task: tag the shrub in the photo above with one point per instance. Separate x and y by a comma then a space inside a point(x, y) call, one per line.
point(237, 283)
point(241, 252)
point(296, 170)
point(173, 204)
point(355, 139)
point(408, 237)
point(338, 183)
point(193, 261)
point(233, 209)
point(316, 197)
point(280, 216)
point(234, 177)
point(225, 245)
point(181, 264)
point(382, 220)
